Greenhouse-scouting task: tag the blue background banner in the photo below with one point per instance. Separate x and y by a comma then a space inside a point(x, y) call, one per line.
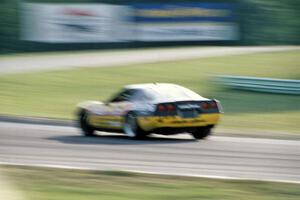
point(184, 12)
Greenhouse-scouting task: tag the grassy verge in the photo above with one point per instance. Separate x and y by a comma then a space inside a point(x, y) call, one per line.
point(44, 183)
point(55, 94)
point(96, 51)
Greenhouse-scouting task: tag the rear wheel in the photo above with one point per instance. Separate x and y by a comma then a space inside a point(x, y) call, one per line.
point(131, 127)
point(201, 132)
point(83, 123)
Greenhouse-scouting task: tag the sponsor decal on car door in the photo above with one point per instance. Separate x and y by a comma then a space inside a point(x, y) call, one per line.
point(110, 115)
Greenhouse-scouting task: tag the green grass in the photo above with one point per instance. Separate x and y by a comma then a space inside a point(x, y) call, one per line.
point(89, 51)
point(45, 183)
point(55, 94)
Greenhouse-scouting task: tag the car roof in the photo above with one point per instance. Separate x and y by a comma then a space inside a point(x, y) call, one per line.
point(150, 85)
point(167, 92)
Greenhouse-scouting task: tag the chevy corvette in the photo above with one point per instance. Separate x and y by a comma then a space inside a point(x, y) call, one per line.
point(141, 109)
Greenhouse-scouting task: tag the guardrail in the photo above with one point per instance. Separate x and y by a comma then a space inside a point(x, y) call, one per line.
point(271, 85)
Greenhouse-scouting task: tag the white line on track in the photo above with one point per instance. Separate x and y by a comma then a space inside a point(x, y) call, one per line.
point(149, 172)
point(216, 157)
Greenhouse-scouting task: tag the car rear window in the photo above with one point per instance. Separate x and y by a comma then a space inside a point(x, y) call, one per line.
point(171, 92)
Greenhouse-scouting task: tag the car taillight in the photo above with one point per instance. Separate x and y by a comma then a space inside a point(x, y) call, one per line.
point(166, 109)
point(161, 108)
point(170, 107)
point(204, 105)
point(213, 104)
point(209, 105)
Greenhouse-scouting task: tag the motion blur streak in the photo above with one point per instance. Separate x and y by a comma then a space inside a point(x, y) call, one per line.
point(42, 62)
point(246, 158)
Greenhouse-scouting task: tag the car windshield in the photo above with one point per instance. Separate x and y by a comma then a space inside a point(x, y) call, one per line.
point(124, 95)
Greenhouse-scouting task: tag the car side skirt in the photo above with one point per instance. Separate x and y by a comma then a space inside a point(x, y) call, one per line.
point(154, 123)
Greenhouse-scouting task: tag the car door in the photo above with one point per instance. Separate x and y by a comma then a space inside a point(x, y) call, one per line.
point(117, 107)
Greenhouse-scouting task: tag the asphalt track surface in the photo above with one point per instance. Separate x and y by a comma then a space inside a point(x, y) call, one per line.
point(21, 63)
point(217, 157)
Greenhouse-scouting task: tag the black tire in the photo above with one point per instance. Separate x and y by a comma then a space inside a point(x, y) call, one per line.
point(131, 127)
point(201, 132)
point(83, 123)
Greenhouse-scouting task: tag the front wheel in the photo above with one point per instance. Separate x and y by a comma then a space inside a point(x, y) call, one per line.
point(131, 127)
point(201, 132)
point(83, 123)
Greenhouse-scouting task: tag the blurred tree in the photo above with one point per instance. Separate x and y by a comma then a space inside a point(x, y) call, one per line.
point(270, 21)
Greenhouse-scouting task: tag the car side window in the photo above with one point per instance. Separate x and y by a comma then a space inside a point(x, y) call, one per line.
point(144, 96)
point(125, 95)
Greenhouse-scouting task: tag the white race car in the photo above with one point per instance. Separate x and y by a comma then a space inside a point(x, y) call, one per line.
point(141, 109)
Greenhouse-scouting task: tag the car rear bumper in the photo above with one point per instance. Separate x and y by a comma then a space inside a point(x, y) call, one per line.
point(149, 123)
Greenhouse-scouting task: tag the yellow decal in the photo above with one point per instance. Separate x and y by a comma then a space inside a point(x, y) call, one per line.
point(183, 12)
point(150, 123)
point(111, 122)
